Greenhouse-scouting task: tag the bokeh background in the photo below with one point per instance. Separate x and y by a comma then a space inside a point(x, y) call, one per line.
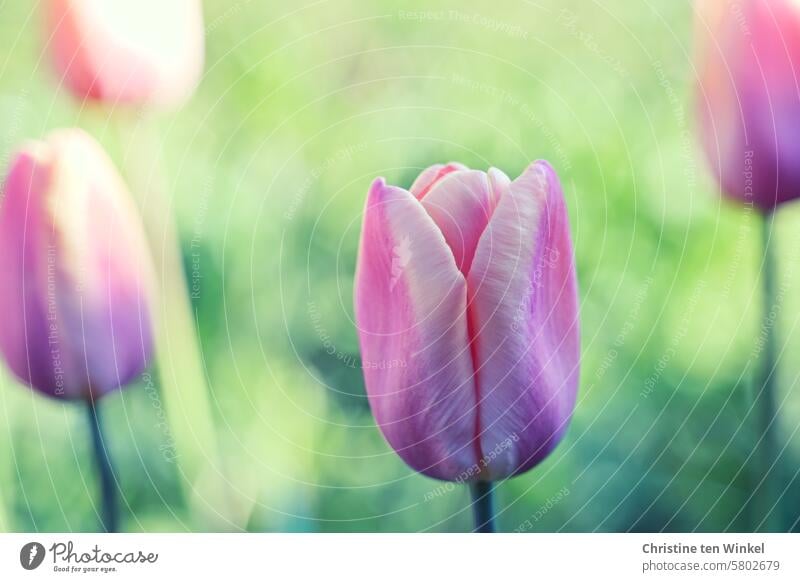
point(266, 168)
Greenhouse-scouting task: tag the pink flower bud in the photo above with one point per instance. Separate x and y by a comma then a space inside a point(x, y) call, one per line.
point(748, 97)
point(127, 51)
point(77, 276)
point(468, 280)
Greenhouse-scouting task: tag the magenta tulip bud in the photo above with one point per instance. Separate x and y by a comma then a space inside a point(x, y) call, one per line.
point(127, 51)
point(748, 99)
point(76, 274)
point(467, 312)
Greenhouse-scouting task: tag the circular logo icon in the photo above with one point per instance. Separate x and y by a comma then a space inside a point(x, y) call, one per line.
point(31, 555)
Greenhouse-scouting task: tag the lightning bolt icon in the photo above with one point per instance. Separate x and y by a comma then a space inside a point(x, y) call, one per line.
point(34, 551)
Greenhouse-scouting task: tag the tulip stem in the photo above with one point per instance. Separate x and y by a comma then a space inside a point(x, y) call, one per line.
point(178, 350)
point(483, 506)
point(764, 399)
point(102, 459)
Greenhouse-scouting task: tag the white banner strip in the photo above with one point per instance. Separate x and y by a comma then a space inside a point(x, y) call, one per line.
point(407, 557)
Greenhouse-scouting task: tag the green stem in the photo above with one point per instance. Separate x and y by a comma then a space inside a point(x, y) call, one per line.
point(764, 403)
point(483, 506)
point(110, 517)
point(180, 363)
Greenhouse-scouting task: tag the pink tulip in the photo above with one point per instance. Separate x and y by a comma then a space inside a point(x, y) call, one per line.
point(76, 275)
point(127, 51)
point(748, 98)
point(465, 288)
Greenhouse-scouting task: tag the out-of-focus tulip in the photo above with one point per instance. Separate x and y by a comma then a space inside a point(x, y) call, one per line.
point(127, 51)
point(748, 97)
point(467, 312)
point(76, 278)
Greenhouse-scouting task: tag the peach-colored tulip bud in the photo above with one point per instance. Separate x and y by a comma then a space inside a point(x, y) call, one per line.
point(77, 278)
point(127, 51)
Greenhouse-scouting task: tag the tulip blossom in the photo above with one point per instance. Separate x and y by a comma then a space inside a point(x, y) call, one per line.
point(469, 280)
point(748, 98)
point(76, 274)
point(127, 51)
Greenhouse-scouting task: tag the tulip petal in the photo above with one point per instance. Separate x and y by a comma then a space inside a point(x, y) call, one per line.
point(431, 175)
point(461, 204)
point(523, 315)
point(30, 345)
point(410, 301)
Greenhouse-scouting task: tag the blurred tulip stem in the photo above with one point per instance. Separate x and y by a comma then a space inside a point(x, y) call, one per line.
point(102, 459)
point(764, 399)
point(180, 360)
point(483, 506)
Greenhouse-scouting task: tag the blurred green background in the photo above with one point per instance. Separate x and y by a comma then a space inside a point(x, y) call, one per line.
point(267, 167)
